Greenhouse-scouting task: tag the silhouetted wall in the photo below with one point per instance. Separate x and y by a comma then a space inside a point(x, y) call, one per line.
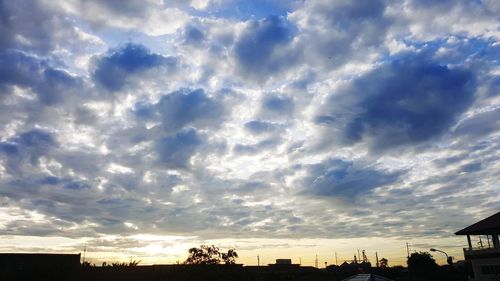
point(13, 262)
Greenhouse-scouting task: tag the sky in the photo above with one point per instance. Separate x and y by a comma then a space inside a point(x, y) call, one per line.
point(285, 129)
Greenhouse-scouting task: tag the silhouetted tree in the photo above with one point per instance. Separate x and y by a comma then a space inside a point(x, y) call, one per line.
point(124, 264)
point(422, 266)
point(383, 263)
point(229, 257)
point(210, 255)
point(87, 264)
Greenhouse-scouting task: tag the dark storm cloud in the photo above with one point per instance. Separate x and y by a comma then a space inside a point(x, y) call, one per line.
point(345, 179)
point(51, 85)
point(113, 69)
point(409, 100)
point(256, 49)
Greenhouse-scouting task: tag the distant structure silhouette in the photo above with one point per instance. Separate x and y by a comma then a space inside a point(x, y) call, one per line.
point(485, 260)
point(23, 262)
point(367, 277)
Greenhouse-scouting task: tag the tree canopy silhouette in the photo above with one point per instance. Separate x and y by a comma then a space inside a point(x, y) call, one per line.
point(384, 263)
point(211, 255)
point(423, 266)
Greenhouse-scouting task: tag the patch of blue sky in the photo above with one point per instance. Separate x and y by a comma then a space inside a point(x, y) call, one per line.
point(463, 47)
point(246, 10)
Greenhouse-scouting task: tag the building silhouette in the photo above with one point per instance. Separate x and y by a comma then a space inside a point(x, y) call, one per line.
point(484, 256)
point(24, 262)
point(367, 277)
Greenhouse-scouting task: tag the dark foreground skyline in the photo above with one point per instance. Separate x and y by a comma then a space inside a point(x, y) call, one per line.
point(67, 267)
point(284, 129)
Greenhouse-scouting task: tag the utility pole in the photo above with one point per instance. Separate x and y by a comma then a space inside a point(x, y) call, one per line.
point(407, 250)
point(336, 261)
point(316, 261)
point(84, 252)
point(258, 260)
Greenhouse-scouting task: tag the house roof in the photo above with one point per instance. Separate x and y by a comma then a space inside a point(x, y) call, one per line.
point(490, 225)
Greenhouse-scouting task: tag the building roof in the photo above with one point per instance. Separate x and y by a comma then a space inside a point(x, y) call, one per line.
point(490, 225)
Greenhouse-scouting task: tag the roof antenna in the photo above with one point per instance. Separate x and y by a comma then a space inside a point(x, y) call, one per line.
point(84, 251)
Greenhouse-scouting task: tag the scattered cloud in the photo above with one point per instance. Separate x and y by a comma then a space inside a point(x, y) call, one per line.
point(399, 103)
point(112, 71)
point(235, 120)
point(346, 180)
point(262, 50)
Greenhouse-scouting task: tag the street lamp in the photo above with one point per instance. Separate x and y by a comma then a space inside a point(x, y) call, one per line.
point(449, 259)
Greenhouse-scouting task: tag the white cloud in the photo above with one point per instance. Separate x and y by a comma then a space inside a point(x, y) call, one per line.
point(125, 124)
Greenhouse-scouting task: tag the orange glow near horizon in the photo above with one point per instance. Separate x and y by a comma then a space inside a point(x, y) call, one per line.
point(156, 249)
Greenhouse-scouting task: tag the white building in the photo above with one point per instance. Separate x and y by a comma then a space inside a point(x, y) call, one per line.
point(485, 255)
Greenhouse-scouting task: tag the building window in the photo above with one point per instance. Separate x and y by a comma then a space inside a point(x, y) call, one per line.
point(490, 269)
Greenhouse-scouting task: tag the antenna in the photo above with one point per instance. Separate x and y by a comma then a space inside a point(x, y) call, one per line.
point(407, 249)
point(84, 251)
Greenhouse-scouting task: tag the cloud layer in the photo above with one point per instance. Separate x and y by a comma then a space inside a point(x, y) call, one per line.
point(191, 118)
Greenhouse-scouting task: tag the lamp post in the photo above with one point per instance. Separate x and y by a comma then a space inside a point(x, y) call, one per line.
point(449, 259)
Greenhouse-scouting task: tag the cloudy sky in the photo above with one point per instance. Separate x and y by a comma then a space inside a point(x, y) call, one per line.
point(285, 129)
